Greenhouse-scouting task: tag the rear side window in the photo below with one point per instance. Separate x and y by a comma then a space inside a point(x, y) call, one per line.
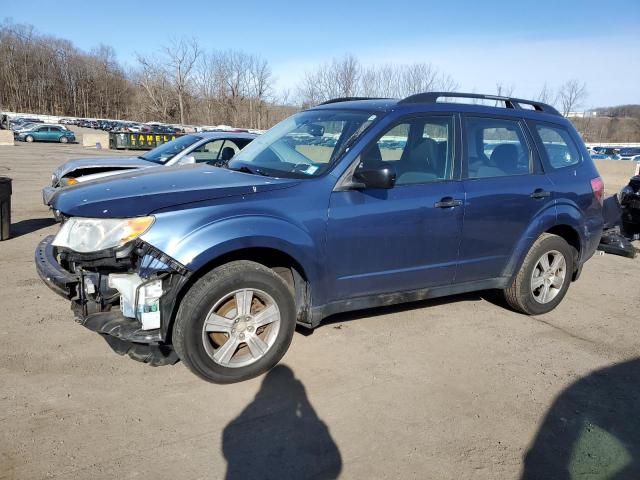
point(560, 148)
point(496, 148)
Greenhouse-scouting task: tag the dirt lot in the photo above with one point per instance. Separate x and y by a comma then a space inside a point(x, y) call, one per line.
point(459, 388)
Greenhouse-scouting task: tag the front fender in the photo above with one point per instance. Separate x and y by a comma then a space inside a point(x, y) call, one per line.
point(203, 244)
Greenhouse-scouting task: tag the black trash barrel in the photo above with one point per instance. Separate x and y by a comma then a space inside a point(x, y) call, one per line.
point(5, 207)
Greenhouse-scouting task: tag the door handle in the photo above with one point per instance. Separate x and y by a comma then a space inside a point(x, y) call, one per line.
point(540, 193)
point(448, 202)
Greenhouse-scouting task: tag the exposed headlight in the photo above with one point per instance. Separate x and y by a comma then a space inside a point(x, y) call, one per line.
point(95, 234)
point(66, 181)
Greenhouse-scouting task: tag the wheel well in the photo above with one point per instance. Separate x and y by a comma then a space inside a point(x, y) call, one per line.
point(572, 238)
point(568, 233)
point(283, 264)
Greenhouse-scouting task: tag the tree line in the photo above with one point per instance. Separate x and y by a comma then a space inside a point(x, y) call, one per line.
point(183, 83)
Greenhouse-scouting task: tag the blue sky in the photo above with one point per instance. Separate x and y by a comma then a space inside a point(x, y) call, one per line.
point(478, 43)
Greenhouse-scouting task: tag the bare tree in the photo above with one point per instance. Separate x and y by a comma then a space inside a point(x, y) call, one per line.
point(346, 77)
point(182, 55)
point(331, 80)
point(154, 81)
point(546, 95)
point(571, 95)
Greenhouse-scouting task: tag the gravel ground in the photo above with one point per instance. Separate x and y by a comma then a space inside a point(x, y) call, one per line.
point(458, 388)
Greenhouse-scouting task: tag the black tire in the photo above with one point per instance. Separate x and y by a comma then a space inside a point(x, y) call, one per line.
point(28, 139)
point(188, 339)
point(63, 139)
point(519, 294)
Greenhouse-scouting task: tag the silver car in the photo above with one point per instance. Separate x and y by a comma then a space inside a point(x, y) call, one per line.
point(206, 147)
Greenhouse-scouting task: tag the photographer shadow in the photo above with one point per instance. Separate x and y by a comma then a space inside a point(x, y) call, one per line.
point(279, 435)
point(592, 431)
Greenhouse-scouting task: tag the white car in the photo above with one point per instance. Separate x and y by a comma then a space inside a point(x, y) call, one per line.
point(208, 147)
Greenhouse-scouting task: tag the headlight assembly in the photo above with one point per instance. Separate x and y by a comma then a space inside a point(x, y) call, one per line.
point(94, 234)
point(66, 181)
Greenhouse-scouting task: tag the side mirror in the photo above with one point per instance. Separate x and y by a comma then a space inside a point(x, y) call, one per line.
point(187, 160)
point(383, 176)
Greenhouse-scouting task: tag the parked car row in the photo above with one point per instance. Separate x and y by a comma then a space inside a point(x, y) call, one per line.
point(214, 263)
point(19, 123)
point(122, 126)
point(615, 153)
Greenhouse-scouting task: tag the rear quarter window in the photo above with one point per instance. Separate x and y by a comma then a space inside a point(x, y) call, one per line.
point(559, 148)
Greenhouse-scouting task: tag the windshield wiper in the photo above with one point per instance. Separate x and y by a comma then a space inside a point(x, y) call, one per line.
point(245, 169)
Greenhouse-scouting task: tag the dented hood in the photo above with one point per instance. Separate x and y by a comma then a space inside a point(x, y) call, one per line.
point(101, 162)
point(143, 192)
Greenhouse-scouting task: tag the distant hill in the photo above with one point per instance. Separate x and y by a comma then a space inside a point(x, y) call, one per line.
point(619, 111)
point(619, 124)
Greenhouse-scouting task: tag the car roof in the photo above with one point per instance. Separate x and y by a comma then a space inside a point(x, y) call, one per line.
point(245, 135)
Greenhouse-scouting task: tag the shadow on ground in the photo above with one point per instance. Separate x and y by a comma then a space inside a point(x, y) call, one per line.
point(25, 227)
point(592, 431)
point(279, 435)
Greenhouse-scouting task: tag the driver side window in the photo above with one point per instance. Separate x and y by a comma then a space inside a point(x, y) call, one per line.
point(420, 150)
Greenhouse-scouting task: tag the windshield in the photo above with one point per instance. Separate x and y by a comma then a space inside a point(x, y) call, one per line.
point(304, 145)
point(167, 151)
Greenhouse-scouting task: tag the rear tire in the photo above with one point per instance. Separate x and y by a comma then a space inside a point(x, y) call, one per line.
point(28, 139)
point(219, 333)
point(544, 277)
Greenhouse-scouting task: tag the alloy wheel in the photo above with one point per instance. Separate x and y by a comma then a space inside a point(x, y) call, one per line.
point(548, 276)
point(241, 328)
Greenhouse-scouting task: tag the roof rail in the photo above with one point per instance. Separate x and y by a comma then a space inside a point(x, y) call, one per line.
point(348, 99)
point(509, 102)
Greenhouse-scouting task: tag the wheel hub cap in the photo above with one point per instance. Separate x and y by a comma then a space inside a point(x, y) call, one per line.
point(548, 276)
point(241, 328)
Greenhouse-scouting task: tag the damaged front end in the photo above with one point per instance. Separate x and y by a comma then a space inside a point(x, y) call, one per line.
point(127, 294)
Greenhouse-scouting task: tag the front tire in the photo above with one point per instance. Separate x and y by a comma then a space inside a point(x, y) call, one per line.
point(235, 323)
point(28, 139)
point(64, 139)
point(544, 277)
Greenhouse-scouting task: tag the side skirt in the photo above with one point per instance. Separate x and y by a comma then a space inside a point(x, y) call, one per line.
point(318, 313)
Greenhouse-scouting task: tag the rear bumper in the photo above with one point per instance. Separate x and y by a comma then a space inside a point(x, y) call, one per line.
point(593, 234)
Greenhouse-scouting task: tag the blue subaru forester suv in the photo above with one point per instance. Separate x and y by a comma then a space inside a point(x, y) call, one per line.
point(352, 204)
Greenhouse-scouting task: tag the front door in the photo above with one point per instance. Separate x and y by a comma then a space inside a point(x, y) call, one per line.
point(406, 237)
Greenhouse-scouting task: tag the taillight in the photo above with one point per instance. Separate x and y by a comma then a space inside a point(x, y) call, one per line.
point(597, 186)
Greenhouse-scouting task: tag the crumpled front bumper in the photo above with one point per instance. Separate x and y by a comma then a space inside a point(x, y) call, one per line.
point(52, 274)
point(47, 194)
point(125, 335)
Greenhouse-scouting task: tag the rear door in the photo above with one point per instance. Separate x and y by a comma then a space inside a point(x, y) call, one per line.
point(505, 188)
point(44, 133)
point(54, 134)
